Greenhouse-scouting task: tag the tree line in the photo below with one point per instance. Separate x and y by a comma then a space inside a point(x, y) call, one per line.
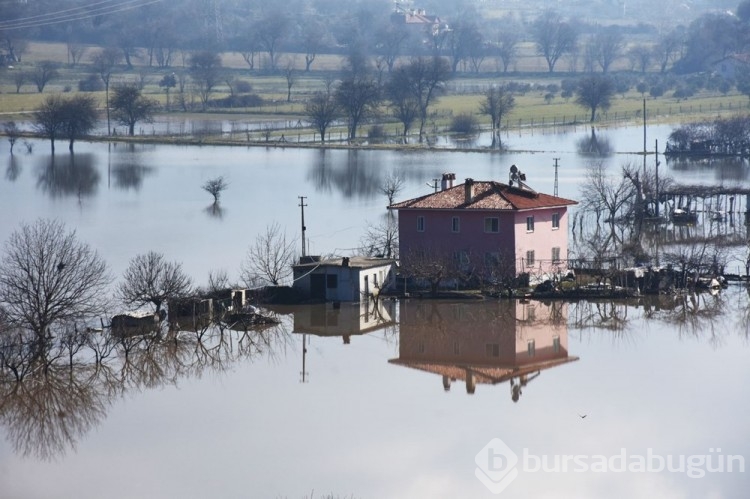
point(161, 33)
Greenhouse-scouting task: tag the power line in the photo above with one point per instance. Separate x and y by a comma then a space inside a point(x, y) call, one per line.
point(77, 14)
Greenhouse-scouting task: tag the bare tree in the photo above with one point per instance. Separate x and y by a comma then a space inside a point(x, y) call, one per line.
point(48, 279)
point(594, 92)
point(270, 30)
point(424, 79)
point(150, 278)
point(291, 78)
point(609, 47)
point(322, 110)
point(19, 79)
point(431, 265)
point(358, 97)
point(75, 53)
point(640, 57)
point(11, 131)
point(44, 72)
point(391, 186)
point(381, 239)
point(553, 36)
point(498, 102)
point(506, 44)
point(79, 115)
point(270, 258)
point(403, 103)
point(313, 33)
point(215, 187)
point(130, 106)
point(49, 118)
point(205, 70)
point(104, 63)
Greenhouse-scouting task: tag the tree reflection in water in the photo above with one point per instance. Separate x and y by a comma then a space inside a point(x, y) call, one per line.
point(694, 315)
point(52, 395)
point(69, 175)
point(14, 168)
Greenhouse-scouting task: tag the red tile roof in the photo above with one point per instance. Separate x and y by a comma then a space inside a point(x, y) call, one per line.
point(488, 195)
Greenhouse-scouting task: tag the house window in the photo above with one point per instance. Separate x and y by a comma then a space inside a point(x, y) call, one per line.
point(556, 344)
point(493, 350)
point(530, 224)
point(420, 224)
point(375, 280)
point(456, 224)
point(556, 254)
point(530, 258)
point(531, 347)
point(332, 281)
point(555, 221)
point(492, 225)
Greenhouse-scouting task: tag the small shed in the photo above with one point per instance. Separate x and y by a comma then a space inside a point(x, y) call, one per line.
point(345, 279)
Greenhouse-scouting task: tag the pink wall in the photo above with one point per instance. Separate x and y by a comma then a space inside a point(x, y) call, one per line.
point(512, 238)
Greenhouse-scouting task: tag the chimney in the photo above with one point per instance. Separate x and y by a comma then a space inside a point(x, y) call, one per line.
point(469, 190)
point(345, 261)
point(447, 181)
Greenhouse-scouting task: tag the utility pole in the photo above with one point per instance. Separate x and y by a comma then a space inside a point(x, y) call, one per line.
point(556, 166)
point(302, 206)
point(304, 374)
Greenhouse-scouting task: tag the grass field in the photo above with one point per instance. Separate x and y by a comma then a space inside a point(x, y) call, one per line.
point(463, 97)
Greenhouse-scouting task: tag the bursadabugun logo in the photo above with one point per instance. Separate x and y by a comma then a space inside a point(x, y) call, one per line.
point(496, 465)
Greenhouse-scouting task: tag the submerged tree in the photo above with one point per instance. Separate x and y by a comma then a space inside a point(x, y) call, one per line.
point(215, 187)
point(50, 280)
point(150, 278)
point(269, 259)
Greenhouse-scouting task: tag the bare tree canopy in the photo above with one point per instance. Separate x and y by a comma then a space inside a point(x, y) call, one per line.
point(215, 187)
point(269, 259)
point(206, 72)
point(130, 106)
point(594, 92)
point(322, 110)
point(150, 278)
point(553, 36)
point(45, 72)
point(48, 279)
point(498, 102)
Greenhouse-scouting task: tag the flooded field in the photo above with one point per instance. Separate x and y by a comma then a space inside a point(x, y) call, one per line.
point(393, 399)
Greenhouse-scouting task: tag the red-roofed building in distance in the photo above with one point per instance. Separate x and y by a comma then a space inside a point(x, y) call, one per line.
point(486, 228)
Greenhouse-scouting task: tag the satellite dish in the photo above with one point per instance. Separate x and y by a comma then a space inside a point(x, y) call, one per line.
point(513, 168)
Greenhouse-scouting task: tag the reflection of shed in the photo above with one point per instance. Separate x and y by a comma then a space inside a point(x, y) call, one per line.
point(343, 279)
point(483, 343)
point(345, 319)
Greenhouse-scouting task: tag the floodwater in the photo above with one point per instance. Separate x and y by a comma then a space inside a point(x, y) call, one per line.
point(396, 399)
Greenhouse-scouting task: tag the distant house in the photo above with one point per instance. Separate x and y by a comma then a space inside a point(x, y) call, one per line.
point(732, 66)
point(345, 279)
point(418, 21)
point(488, 227)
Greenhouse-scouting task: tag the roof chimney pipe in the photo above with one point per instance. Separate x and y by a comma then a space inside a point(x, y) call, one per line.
point(447, 181)
point(469, 190)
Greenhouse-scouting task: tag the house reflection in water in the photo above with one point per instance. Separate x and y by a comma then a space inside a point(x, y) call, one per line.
point(344, 319)
point(340, 319)
point(489, 342)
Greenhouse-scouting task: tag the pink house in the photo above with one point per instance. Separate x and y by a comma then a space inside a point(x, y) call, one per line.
point(488, 227)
